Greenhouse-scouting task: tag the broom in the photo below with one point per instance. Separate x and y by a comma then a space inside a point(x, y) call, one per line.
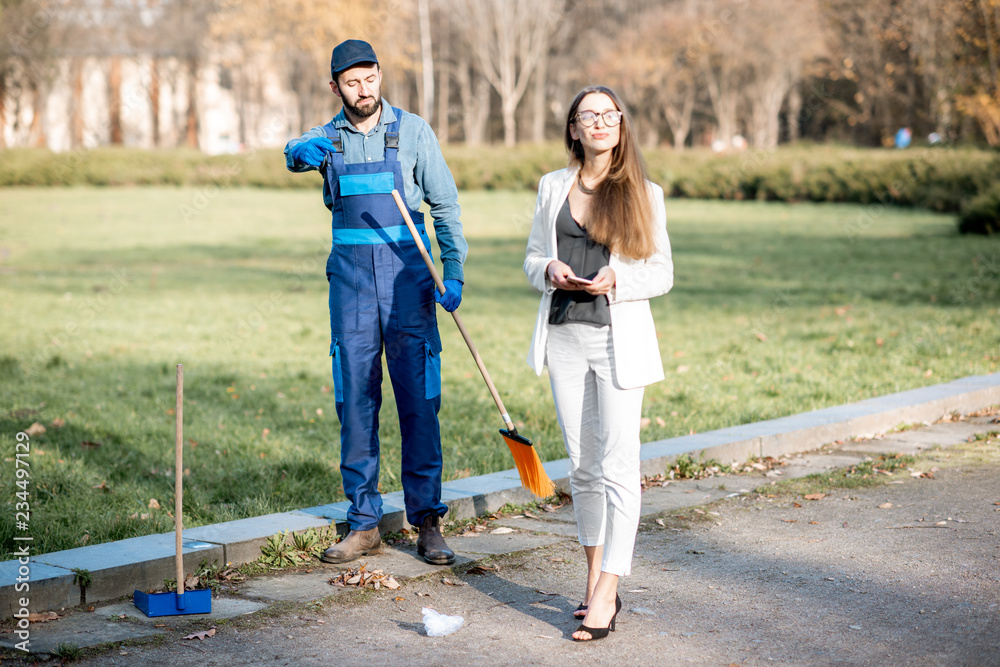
point(529, 466)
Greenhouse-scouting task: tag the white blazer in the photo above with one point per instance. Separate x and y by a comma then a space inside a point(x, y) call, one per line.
point(637, 353)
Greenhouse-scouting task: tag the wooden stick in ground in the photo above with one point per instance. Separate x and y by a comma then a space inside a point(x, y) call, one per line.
point(458, 320)
point(179, 476)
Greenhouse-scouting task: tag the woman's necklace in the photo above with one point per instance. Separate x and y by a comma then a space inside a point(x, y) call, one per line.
point(583, 188)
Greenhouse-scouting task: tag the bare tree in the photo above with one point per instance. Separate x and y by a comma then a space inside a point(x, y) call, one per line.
point(509, 37)
point(474, 91)
point(426, 62)
point(27, 37)
point(649, 63)
point(780, 39)
point(444, 70)
point(980, 36)
point(717, 48)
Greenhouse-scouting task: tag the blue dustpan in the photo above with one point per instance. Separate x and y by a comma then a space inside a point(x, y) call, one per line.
point(174, 604)
point(181, 602)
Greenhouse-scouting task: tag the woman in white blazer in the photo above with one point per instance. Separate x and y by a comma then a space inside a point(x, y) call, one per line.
point(598, 251)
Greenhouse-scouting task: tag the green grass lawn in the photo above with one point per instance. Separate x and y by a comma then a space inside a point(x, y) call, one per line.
point(777, 309)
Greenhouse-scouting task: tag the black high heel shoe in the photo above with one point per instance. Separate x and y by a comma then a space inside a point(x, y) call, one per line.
point(601, 633)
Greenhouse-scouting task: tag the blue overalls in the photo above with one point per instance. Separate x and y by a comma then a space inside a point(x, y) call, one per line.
point(381, 296)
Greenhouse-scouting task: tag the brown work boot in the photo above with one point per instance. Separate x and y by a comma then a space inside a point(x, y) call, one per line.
point(357, 543)
point(430, 543)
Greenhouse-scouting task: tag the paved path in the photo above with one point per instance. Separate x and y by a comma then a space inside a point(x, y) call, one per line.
point(903, 573)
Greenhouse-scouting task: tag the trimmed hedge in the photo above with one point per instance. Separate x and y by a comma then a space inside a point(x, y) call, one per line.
point(940, 179)
point(982, 214)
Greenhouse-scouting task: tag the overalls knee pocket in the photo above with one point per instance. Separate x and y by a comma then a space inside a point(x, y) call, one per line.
point(432, 367)
point(336, 357)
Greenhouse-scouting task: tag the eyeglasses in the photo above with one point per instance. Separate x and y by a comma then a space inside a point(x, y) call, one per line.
point(611, 117)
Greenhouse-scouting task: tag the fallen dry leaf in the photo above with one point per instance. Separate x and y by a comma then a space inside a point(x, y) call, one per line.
point(484, 569)
point(34, 429)
point(885, 506)
point(362, 579)
point(154, 504)
point(503, 530)
point(790, 520)
point(815, 496)
point(204, 634)
point(452, 582)
point(87, 444)
point(43, 617)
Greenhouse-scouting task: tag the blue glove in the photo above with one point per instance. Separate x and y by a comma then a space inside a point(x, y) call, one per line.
point(452, 296)
point(312, 151)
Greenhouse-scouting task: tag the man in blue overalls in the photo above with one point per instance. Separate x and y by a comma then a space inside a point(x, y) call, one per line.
point(381, 294)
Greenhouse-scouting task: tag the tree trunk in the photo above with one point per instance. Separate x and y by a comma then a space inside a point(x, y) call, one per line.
point(154, 100)
point(116, 137)
point(37, 128)
point(508, 108)
point(3, 109)
point(426, 63)
point(723, 104)
point(482, 97)
point(443, 87)
point(398, 86)
point(911, 98)
point(679, 120)
point(475, 104)
point(794, 111)
point(76, 104)
point(540, 111)
point(241, 85)
point(191, 137)
point(944, 115)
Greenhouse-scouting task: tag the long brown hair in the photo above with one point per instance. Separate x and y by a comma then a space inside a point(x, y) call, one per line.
point(620, 215)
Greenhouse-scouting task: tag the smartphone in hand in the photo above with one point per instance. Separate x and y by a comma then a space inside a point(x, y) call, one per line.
point(579, 281)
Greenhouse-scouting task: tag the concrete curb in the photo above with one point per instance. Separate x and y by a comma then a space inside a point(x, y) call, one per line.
point(117, 568)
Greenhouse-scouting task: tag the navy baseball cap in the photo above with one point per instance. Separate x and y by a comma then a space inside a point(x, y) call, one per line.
point(350, 53)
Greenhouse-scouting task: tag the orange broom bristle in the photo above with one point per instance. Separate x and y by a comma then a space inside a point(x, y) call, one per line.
point(529, 467)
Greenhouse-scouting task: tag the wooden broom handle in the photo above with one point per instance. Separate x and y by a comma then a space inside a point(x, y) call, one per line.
point(179, 476)
point(458, 320)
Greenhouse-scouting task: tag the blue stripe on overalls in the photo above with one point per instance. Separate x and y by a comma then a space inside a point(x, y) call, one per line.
point(381, 297)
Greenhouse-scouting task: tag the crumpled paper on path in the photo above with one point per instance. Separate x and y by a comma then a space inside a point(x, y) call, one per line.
point(439, 625)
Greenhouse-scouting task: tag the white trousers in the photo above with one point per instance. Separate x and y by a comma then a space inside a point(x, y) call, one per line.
point(600, 425)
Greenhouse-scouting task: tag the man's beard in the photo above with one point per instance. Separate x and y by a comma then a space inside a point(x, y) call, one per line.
point(366, 111)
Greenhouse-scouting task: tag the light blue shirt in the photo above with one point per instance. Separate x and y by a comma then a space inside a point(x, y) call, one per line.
point(426, 176)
